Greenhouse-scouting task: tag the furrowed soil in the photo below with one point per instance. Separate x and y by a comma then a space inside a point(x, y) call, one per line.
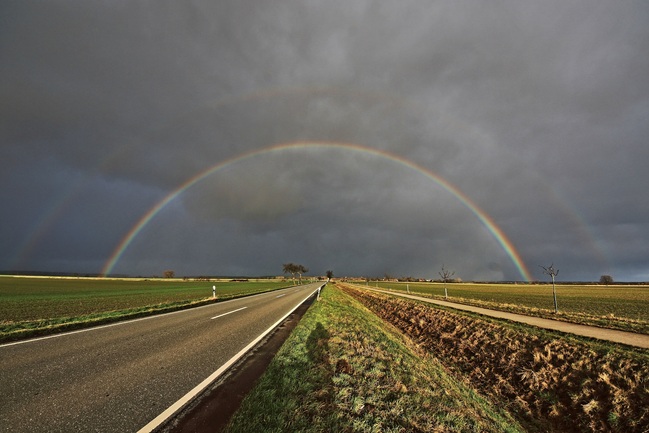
point(343, 369)
point(549, 382)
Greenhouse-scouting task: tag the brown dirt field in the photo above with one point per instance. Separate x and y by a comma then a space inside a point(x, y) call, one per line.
point(550, 383)
point(613, 335)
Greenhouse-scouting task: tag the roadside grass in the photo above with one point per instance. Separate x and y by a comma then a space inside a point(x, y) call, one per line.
point(617, 307)
point(344, 369)
point(32, 307)
point(552, 382)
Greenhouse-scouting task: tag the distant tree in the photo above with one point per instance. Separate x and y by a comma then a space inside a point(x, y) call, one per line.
point(330, 274)
point(301, 269)
point(169, 274)
point(606, 279)
point(446, 277)
point(290, 268)
point(552, 273)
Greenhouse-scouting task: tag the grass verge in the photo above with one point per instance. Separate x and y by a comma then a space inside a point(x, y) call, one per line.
point(32, 307)
point(10, 331)
point(617, 307)
point(343, 369)
point(551, 382)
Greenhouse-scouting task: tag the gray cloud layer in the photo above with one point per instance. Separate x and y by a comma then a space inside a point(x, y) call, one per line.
point(537, 111)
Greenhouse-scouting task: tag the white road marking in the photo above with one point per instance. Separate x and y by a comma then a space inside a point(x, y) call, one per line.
point(125, 322)
point(279, 296)
point(94, 328)
point(174, 408)
point(229, 312)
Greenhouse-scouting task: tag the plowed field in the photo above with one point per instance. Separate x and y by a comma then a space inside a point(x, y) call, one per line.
point(551, 383)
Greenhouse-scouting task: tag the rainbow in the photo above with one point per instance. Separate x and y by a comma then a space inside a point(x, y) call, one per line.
point(484, 218)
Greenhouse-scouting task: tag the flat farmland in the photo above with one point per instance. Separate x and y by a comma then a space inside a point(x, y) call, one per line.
point(28, 304)
point(548, 381)
point(623, 307)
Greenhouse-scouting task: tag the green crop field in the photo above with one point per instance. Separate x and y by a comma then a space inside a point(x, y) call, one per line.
point(33, 303)
point(617, 306)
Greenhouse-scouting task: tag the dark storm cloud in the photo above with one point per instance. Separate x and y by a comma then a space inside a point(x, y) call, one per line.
point(537, 111)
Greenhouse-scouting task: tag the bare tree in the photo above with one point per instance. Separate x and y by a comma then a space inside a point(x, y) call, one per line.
point(552, 273)
point(169, 274)
point(301, 269)
point(290, 268)
point(330, 274)
point(446, 277)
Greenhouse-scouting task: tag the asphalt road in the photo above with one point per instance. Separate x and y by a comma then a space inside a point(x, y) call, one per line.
point(119, 377)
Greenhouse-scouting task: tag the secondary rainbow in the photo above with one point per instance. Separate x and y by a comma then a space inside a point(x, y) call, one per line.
point(484, 218)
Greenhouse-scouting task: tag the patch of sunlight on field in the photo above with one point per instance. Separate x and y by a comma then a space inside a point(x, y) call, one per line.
point(25, 299)
point(624, 301)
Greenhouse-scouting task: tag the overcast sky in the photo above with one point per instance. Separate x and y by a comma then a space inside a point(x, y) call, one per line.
point(537, 112)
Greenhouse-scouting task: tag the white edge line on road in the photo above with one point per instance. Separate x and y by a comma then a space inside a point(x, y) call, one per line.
point(93, 328)
point(229, 312)
point(174, 408)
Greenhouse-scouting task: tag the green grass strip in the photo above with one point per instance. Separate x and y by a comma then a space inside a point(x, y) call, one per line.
point(58, 305)
point(343, 369)
point(617, 307)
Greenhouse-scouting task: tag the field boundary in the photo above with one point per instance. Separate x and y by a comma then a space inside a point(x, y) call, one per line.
point(78, 327)
point(611, 335)
point(78, 303)
point(548, 382)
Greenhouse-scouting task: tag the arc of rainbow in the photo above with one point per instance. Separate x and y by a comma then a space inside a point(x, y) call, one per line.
point(482, 216)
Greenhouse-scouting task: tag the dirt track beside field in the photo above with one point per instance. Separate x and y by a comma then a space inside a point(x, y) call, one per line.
point(612, 335)
point(550, 383)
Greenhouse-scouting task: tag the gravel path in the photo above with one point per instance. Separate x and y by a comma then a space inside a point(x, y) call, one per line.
point(623, 337)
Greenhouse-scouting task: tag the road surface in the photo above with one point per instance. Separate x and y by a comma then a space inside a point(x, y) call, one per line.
point(120, 377)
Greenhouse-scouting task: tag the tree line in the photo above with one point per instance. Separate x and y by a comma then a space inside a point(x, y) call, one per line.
point(293, 269)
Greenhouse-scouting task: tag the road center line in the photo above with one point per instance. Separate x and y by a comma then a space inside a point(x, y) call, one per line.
point(279, 296)
point(229, 312)
point(174, 408)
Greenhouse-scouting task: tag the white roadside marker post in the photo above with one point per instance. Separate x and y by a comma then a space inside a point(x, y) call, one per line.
point(213, 292)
